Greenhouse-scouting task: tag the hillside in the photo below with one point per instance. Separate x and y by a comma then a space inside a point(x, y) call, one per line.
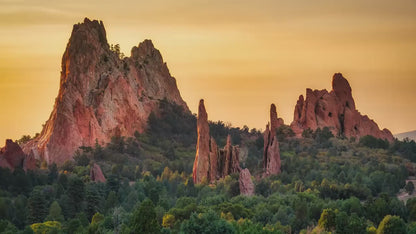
point(411, 135)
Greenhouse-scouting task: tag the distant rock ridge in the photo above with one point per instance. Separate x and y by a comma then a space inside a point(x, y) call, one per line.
point(12, 156)
point(101, 94)
point(335, 110)
point(212, 163)
point(271, 151)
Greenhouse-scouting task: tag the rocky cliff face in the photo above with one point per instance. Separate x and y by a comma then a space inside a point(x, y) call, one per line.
point(271, 152)
point(12, 156)
point(212, 163)
point(102, 95)
point(335, 110)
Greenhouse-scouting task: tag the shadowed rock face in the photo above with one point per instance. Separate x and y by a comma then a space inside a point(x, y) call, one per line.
point(245, 182)
point(96, 174)
point(271, 151)
point(335, 110)
point(212, 163)
point(12, 156)
point(101, 95)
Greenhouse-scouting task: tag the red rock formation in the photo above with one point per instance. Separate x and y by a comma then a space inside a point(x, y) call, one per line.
point(102, 95)
point(12, 156)
point(271, 151)
point(245, 182)
point(96, 174)
point(335, 110)
point(275, 122)
point(202, 157)
point(210, 162)
point(213, 161)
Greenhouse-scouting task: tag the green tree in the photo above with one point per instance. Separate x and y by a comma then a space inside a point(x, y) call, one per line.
point(411, 208)
point(144, 218)
point(37, 206)
point(392, 225)
point(410, 187)
point(327, 219)
point(76, 192)
point(55, 213)
point(206, 223)
point(93, 200)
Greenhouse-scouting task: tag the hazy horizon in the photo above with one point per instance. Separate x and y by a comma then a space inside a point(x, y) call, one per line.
point(240, 56)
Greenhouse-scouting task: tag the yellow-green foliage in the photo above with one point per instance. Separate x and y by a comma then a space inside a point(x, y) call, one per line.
point(168, 221)
point(46, 227)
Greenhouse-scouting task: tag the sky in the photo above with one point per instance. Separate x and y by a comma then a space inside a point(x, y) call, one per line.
point(240, 56)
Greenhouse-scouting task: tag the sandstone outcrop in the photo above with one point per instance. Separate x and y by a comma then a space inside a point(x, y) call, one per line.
point(271, 151)
point(202, 162)
point(245, 182)
point(96, 174)
point(212, 163)
point(335, 110)
point(102, 94)
point(12, 156)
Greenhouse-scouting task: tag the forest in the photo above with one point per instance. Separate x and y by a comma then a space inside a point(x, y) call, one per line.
point(328, 184)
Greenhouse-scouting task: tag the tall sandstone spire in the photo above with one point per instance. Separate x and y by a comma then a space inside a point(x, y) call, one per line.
point(335, 110)
point(271, 151)
point(102, 94)
point(201, 164)
point(212, 163)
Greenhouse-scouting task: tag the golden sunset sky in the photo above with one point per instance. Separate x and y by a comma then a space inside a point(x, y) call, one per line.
point(240, 56)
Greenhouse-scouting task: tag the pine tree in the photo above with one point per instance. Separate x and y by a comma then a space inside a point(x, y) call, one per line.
point(144, 218)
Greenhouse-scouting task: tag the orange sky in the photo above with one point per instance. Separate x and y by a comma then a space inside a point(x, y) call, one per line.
point(239, 56)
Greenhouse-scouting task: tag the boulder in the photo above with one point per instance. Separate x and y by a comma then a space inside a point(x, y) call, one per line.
point(96, 174)
point(245, 182)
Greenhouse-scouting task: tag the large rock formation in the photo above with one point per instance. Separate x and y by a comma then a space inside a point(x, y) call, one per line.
point(271, 151)
point(245, 182)
point(335, 110)
point(96, 174)
point(12, 156)
point(212, 163)
point(102, 94)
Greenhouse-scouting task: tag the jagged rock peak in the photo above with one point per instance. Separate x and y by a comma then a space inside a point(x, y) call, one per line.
point(87, 33)
point(146, 50)
point(335, 110)
point(275, 122)
point(102, 94)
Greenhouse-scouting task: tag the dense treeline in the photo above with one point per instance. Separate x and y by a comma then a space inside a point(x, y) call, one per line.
point(327, 184)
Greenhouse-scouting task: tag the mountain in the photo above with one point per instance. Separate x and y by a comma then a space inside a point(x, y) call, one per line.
point(335, 110)
point(102, 94)
point(411, 135)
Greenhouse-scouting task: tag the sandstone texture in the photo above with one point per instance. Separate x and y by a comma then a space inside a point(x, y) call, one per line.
point(271, 151)
point(212, 163)
point(245, 182)
point(12, 156)
point(335, 110)
point(96, 174)
point(102, 94)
